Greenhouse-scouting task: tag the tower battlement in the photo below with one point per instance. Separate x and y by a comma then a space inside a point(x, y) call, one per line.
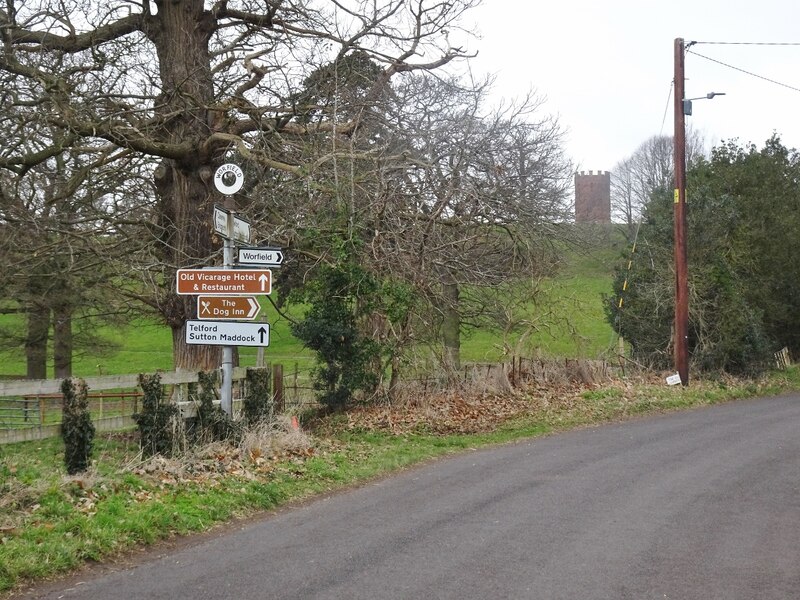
point(593, 197)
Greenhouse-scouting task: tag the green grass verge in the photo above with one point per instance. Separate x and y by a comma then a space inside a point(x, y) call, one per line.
point(51, 524)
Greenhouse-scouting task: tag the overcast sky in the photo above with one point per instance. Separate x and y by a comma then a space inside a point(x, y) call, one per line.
point(606, 68)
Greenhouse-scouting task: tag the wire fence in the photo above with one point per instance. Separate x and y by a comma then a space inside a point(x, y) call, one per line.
point(37, 410)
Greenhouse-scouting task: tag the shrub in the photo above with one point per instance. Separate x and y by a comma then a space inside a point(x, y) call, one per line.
point(158, 422)
point(337, 300)
point(258, 405)
point(213, 423)
point(77, 428)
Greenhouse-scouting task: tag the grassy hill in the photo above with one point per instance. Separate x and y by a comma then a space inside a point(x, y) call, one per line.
point(568, 317)
point(567, 320)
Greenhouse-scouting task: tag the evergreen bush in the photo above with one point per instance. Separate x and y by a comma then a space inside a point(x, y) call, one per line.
point(77, 429)
point(258, 405)
point(337, 299)
point(213, 424)
point(158, 422)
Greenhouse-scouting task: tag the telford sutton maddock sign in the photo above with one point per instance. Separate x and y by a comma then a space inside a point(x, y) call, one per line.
point(229, 333)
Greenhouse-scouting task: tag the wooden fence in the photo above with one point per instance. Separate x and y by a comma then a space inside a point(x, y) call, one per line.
point(31, 409)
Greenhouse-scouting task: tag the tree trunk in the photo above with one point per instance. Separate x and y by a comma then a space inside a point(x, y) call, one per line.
point(394, 379)
point(62, 340)
point(181, 32)
point(188, 357)
point(451, 327)
point(36, 341)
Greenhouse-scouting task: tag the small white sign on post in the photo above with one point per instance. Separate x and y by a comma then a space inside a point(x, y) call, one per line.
point(674, 379)
point(241, 227)
point(221, 222)
point(241, 230)
point(228, 179)
point(272, 257)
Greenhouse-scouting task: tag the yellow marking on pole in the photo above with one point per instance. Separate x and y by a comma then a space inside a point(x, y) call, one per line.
point(677, 195)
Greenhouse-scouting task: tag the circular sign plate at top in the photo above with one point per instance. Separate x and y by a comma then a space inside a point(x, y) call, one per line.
point(228, 179)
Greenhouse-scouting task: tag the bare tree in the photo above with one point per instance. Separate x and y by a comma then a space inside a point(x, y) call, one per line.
point(477, 208)
point(188, 86)
point(650, 168)
point(61, 227)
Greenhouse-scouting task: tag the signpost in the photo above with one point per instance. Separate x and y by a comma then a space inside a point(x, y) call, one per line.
point(226, 293)
point(228, 179)
point(240, 230)
point(227, 333)
point(218, 308)
point(224, 282)
point(266, 257)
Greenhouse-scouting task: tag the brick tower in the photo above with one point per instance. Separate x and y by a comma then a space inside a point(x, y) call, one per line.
point(593, 197)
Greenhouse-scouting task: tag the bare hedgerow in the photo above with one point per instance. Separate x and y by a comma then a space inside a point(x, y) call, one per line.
point(249, 457)
point(274, 438)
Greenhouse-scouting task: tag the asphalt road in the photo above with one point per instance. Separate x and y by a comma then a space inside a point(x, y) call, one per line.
point(703, 504)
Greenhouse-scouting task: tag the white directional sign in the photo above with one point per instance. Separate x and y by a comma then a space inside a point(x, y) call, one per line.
point(268, 257)
point(241, 230)
point(227, 333)
point(241, 227)
point(221, 222)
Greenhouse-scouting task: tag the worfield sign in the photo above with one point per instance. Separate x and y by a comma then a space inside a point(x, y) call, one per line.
point(221, 282)
point(272, 257)
point(228, 333)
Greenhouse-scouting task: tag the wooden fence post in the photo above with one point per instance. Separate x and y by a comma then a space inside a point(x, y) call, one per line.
point(277, 387)
point(296, 393)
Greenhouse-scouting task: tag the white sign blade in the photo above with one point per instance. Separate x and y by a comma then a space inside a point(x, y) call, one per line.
point(241, 230)
point(221, 222)
point(272, 257)
point(227, 333)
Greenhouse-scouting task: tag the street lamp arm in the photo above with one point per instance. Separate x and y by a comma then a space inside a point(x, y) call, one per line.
point(708, 96)
point(687, 102)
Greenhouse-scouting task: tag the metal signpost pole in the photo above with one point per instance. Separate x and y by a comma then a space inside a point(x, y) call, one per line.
point(226, 388)
point(228, 179)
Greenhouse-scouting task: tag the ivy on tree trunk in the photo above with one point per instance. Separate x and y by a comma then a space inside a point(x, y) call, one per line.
point(77, 429)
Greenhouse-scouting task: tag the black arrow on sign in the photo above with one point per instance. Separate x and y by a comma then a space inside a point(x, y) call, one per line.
point(263, 332)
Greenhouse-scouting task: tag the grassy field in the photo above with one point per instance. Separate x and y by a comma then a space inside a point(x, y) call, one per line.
point(568, 315)
point(146, 345)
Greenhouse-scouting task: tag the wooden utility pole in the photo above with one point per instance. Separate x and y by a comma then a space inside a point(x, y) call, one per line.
point(681, 266)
